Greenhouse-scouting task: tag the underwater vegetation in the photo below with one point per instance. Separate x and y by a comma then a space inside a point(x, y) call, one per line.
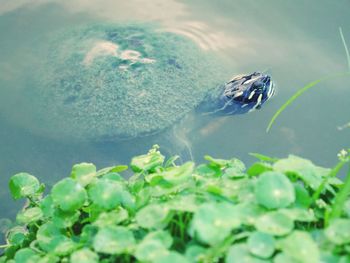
point(276, 210)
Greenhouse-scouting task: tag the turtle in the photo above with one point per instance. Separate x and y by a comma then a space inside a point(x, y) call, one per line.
point(121, 81)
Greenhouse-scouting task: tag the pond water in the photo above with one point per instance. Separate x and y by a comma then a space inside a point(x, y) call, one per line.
point(294, 41)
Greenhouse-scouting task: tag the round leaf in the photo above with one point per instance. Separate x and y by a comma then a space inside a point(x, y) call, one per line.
point(51, 239)
point(274, 190)
point(114, 217)
point(213, 222)
point(240, 254)
point(84, 255)
point(171, 257)
point(16, 235)
point(275, 223)
point(29, 215)
point(84, 173)
point(23, 185)
point(64, 219)
point(106, 194)
point(194, 253)
point(147, 162)
point(339, 231)
point(26, 255)
point(161, 236)
point(283, 258)
point(68, 195)
point(261, 244)
point(113, 240)
point(152, 217)
point(149, 250)
point(301, 247)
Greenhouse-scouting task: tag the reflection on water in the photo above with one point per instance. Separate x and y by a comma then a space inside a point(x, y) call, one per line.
point(282, 37)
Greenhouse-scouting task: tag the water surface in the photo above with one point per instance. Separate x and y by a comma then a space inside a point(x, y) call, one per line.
point(295, 41)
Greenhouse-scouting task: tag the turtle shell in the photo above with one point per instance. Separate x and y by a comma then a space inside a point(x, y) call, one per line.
point(119, 81)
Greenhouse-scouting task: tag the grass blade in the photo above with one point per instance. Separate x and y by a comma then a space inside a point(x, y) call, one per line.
point(340, 199)
point(345, 47)
point(300, 92)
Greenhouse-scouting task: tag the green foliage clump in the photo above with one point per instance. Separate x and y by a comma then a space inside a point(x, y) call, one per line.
point(277, 210)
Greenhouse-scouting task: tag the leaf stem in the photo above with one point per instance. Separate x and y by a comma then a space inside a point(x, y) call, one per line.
point(341, 198)
point(331, 174)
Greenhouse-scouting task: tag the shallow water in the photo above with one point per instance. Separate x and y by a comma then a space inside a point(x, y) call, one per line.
point(295, 41)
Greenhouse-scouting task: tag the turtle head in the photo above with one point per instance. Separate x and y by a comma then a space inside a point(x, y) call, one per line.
point(248, 92)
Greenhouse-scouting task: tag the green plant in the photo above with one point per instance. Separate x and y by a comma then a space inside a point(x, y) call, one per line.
point(274, 211)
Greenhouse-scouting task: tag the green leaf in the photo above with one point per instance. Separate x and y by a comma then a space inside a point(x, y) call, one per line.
point(88, 234)
point(150, 249)
point(249, 212)
point(275, 223)
point(283, 258)
point(114, 177)
point(152, 217)
point(259, 168)
point(300, 246)
point(178, 174)
point(23, 185)
point(106, 194)
point(274, 190)
point(235, 172)
point(51, 239)
point(68, 195)
point(195, 253)
point(347, 208)
point(114, 217)
point(119, 169)
point(84, 255)
point(299, 214)
point(171, 161)
point(221, 163)
point(261, 244)
point(213, 222)
point(65, 219)
point(302, 197)
point(16, 235)
point(311, 174)
point(184, 203)
point(114, 240)
point(161, 236)
point(47, 206)
point(338, 231)
point(208, 171)
point(240, 254)
point(84, 173)
point(264, 158)
point(29, 215)
point(147, 162)
point(26, 255)
point(171, 257)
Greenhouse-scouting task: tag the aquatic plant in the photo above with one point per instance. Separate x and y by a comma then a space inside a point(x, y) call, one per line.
point(280, 210)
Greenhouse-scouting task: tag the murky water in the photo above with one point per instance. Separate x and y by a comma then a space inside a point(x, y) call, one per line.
point(295, 41)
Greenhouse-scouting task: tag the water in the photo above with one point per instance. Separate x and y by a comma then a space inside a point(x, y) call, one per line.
point(295, 41)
